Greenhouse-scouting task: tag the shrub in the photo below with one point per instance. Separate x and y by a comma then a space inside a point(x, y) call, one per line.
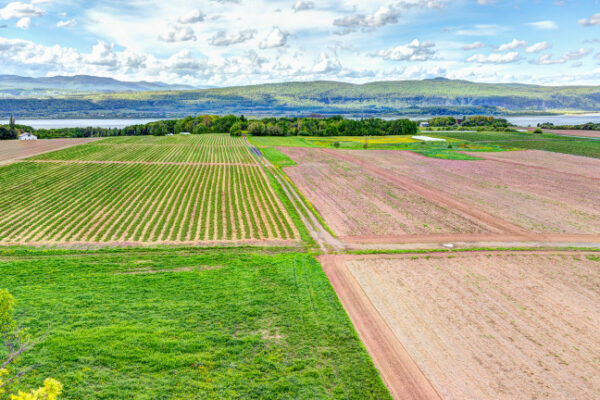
point(336, 144)
point(538, 130)
point(14, 342)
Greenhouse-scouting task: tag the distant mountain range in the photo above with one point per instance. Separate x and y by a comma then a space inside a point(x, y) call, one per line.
point(19, 86)
point(394, 98)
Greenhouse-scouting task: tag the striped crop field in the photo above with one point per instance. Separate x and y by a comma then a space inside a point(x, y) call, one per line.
point(146, 190)
point(159, 149)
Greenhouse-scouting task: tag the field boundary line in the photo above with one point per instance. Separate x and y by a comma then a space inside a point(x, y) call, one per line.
point(401, 374)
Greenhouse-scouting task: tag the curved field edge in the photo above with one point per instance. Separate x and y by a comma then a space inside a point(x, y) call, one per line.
point(227, 324)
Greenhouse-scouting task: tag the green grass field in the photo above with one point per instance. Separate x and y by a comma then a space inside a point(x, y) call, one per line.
point(547, 142)
point(187, 324)
point(178, 190)
point(484, 141)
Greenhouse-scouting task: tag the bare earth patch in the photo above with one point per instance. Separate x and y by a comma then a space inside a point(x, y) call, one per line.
point(488, 325)
point(12, 150)
point(532, 192)
point(357, 203)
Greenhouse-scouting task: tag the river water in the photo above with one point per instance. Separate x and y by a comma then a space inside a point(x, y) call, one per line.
point(121, 123)
point(81, 123)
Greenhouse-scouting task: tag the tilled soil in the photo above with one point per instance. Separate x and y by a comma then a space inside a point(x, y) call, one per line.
point(18, 149)
point(489, 325)
point(529, 191)
point(355, 202)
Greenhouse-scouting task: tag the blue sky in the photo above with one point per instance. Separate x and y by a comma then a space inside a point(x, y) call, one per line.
point(238, 42)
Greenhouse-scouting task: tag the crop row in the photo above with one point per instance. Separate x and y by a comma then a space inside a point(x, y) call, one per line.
point(187, 149)
point(114, 203)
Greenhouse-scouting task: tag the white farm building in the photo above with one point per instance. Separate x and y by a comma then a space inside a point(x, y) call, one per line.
point(27, 136)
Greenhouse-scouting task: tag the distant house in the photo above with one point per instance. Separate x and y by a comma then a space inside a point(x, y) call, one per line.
point(425, 124)
point(184, 133)
point(27, 136)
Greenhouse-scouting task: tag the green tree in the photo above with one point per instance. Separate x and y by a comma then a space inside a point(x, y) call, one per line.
point(236, 129)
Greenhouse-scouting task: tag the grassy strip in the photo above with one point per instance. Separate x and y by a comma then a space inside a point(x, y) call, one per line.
point(276, 157)
point(221, 324)
point(291, 210)
point(547, 142)
point(308, 204)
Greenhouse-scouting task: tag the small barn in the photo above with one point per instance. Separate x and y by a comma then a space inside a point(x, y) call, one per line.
point(425, 124)
point(27, 136)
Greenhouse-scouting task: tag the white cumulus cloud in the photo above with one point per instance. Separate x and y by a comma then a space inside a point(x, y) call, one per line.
point(495, 58)
point(24, 23)
point(515, 44)
point(66, 24)
point(177, 33)
point(223, 38)
point(277, 38)
point(20, 10)
point(537, 47)
point(192, 17)
point(594, 20)
point(413, 51)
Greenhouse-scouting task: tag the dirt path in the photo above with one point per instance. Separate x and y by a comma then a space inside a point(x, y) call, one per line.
point(400, 373)
point(324, 239)
point(437, 197)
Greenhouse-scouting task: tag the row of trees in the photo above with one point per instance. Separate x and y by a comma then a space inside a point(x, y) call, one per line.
point(472, 121)
point(332, 126)
point(590, 126)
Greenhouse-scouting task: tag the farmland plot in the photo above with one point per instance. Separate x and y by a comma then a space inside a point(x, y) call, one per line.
point(563, 198)
point(17, 149)
point(212, 149)
point(491, 325)
point(356, 203)
point(106, 201)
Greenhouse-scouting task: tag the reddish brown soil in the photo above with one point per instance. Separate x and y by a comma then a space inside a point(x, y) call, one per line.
point(400, 373)
point(355, 202)
point(478, 325)
point(537, 197)
point(565, 164)
point(11, 150)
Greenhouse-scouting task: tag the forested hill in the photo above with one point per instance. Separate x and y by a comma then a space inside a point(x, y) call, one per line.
point(21, 86)
point(431, 97)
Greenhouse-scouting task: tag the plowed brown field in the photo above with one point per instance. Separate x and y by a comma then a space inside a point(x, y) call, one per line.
point(516, 192)
point(11, 150)
point(481, 325)
point(356, 203)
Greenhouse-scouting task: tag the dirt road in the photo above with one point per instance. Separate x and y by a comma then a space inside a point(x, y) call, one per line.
point(400, 373)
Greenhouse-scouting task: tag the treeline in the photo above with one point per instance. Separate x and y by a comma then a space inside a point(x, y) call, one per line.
point(234, 125)
point(332, 126)
point(478, 122)
point(590, 126)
